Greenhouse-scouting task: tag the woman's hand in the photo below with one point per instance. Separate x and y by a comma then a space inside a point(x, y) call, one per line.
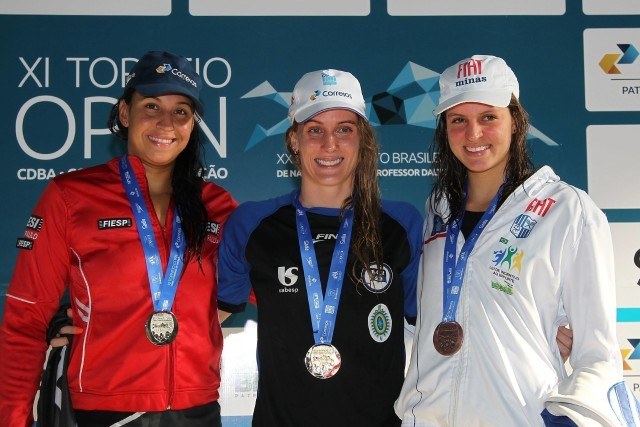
point(59, 340)
point(565, 342)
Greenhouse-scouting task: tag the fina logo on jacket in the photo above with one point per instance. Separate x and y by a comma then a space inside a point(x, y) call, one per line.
point(287, 277)
point(109, 223)
point(382, 278)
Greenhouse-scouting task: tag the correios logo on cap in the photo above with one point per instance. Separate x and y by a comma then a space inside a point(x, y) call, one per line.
point(327, 93)
point(163, 68)
point(467, 70)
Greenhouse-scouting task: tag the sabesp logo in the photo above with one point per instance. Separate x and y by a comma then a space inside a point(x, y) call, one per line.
point(287, 277)
point(610, 60)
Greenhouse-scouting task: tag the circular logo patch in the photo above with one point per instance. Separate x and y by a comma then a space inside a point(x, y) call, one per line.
point(379, 323)
point(382, 278)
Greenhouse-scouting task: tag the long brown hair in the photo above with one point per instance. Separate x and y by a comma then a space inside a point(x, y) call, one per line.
point(366, 243)
point(451, 181)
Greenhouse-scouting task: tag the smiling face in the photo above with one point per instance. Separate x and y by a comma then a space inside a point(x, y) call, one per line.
point(479, 136)
point(159, 127)
point(328, 147)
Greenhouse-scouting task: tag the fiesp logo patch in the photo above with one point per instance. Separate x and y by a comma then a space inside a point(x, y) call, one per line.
point(109, 223)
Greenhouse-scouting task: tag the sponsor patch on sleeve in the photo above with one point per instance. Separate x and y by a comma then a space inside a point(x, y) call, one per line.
point(24, 243)
point(35, 223)
point(213, 227)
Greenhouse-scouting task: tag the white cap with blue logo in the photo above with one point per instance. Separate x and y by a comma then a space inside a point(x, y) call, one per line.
point(324, 90)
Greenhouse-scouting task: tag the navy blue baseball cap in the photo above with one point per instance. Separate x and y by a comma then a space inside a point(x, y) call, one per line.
point(163, 73)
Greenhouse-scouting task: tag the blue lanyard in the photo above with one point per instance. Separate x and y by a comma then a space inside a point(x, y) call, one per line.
point(163, 287)
point(452, 270)
point(323, 309)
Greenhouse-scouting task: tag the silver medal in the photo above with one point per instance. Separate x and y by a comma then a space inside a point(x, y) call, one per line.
point(161, 327)
point(323, 361)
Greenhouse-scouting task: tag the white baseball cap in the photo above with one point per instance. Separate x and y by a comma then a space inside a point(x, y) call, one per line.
point(482, 78)
point(324, 90)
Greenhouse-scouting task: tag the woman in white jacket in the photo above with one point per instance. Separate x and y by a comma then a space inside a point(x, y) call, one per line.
point(509, 255)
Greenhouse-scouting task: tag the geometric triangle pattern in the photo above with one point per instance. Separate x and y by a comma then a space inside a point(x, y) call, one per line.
point(409, 100)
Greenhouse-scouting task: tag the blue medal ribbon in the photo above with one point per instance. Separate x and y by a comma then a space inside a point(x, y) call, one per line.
point(452, 270)
point(323, 309)
point(163, 286)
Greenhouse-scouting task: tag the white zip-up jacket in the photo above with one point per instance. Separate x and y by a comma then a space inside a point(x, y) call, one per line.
point(544, 260)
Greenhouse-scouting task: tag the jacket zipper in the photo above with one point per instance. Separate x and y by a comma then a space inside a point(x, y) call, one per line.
point(171, 350)
point(455, 392)
point(171, 376)
point(163, 231)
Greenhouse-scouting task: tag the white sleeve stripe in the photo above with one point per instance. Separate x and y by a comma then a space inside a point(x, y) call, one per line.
point(130, 418)
point(82, 306)
point(21, 299)
point(88, 321)
point(624, 404)
point(84, 317)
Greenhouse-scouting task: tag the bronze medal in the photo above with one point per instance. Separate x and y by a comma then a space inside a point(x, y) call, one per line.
point(323, 361)
point(447, 338)
point(161, 327)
